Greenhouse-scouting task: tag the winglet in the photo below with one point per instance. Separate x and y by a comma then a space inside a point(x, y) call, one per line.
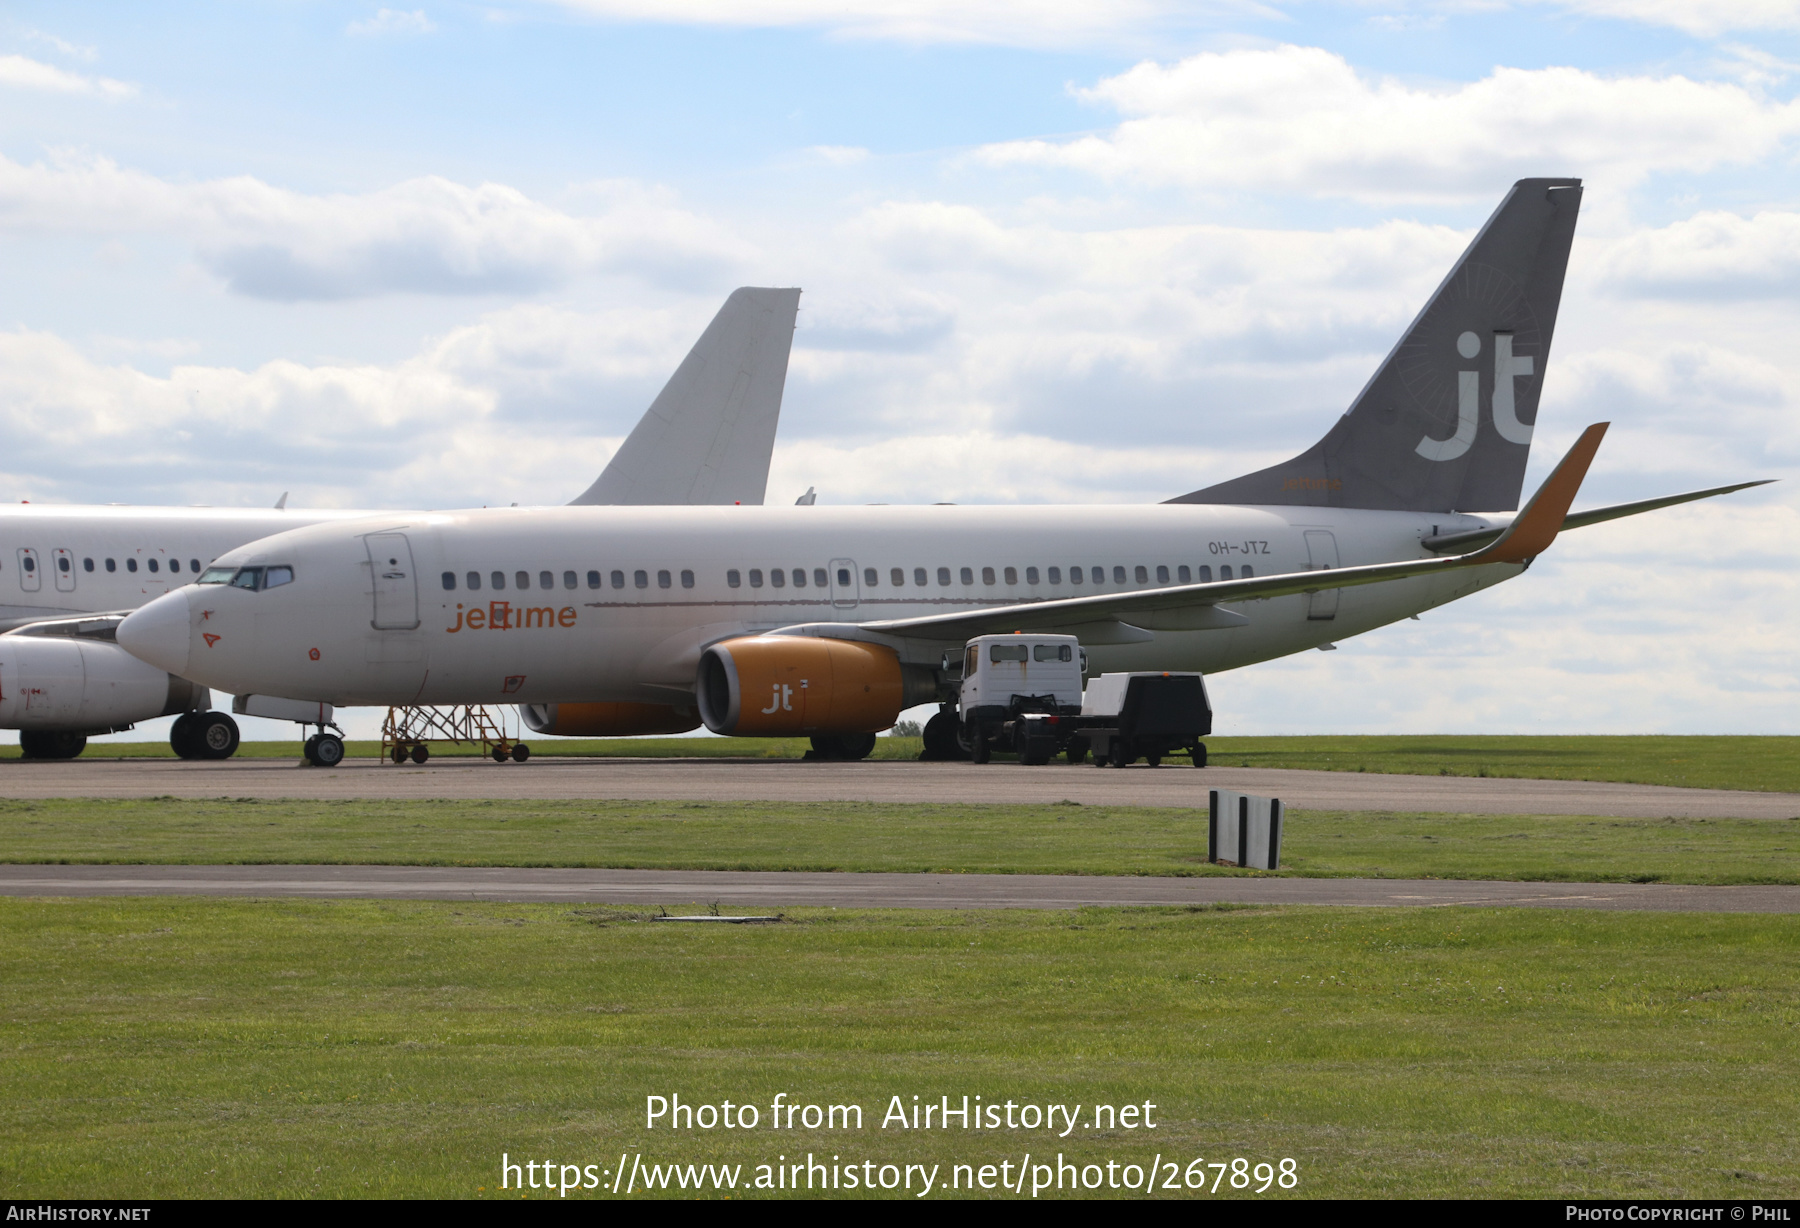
point(1534, 528)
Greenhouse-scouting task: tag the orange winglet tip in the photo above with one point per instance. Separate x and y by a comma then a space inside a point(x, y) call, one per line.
point(1537, 526)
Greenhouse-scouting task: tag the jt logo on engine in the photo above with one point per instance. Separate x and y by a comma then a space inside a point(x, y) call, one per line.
point(781, 700)
point(1507, 368)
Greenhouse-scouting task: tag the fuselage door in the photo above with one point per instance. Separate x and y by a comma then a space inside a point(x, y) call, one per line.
point(844, 591)
point(1321, 555)
point(30, 577)
point(65, 571)
point(396, 587)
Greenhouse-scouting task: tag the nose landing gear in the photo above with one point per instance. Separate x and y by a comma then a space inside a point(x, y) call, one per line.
point(324, 749)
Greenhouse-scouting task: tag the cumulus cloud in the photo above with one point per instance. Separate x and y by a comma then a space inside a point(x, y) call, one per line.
point(1705, 18)
point(426, 235)
point(1714, 254)
point(392, 21)
point(1303, 119)
point(20, 72)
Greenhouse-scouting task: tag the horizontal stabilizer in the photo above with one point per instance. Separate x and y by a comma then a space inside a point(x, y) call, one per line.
point(708, 436)
point(1580, 520)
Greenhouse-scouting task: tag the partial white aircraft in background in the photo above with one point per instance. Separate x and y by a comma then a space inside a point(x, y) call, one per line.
point(68, 574)
point(830, 621)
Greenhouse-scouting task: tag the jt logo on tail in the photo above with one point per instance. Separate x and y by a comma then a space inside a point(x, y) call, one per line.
point(1507, 368)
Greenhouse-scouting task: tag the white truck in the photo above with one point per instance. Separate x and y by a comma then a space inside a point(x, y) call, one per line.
point(1023, 693)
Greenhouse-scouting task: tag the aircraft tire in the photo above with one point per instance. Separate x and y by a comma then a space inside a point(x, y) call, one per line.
point(50, 744)
point(181, 737)
point(215, 736)
point(325, 750)
point(940, 738)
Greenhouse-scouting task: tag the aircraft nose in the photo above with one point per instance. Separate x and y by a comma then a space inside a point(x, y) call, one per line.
point(159, 633)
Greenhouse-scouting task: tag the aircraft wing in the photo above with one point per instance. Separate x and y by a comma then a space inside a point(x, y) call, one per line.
point(1191, 605)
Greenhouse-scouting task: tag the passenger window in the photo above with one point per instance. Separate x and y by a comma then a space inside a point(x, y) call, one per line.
point(130, 565)
point(844, 576)
point(871, 577)
point(1031, 575)
point(1118, 574)
point(1099, 575)
point(174, 564)
point(247, 577)
point(546, 580)
point(800, 577)
point(1185, 576)
point(663, 580)
point(1012, 575)
point(1052, 652)
point(968, 575)
point(898, 576)
point(823, 580)
point(641, 578)
point(987, 575)
point(497, 580)
point(568, 579)
point(1162, 573)
point(1224, 571)
point(734, 579)
point(1006, 652)
point(593, 579)
point(193, 566)
point(1246, 572)
point(943, 576)
point(277, 576)
point(1055, 575)
point(1075, 575)
point(618, 579)
point(449, 581)
point(522, 580)
point(777, 577)
point(151, 563)
point(88, 565)
point(919, 576)
point(687, 579)
point(474, 581)
point(62, 564)
point(112, 565)
point(755, 577)
point(215, 575)
point(1205, 573)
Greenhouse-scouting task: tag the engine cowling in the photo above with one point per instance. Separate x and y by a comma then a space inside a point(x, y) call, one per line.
point(762, 686)
point(607, 720)
point(82, 685)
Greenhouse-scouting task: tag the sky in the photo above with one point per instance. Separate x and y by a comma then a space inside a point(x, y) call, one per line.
point(1055, 252)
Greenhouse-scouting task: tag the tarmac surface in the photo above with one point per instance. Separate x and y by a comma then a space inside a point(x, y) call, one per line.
point(774, 891)
point(547, 778)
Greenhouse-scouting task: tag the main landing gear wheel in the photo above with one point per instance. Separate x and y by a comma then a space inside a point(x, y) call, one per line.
point(213, 735)
point(940, 738)
point(182, 737)
point(845, 746)
point(50, 744)
point(324, 750)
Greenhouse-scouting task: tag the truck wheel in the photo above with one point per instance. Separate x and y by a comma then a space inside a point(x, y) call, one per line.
point(979, 750)
point(1199, 753)
point(1078, 750)
point(1120, 756)
point(1153, 760)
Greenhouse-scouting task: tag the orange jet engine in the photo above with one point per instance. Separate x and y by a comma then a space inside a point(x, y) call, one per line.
point(766, 686)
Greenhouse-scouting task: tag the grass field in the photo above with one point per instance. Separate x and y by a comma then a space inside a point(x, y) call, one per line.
point(1059, 839)
point(180, 1048)
point(1770, 764)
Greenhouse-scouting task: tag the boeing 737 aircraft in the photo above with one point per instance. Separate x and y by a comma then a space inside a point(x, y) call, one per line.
point(706, 439)
point(829, 621)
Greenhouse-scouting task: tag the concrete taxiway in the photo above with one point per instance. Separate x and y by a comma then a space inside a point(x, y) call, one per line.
point(548, 778)
point(773, 891)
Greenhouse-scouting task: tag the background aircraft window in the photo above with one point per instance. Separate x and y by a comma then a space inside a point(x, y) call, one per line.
point(151, 563)
point(1162, 573)
point(62, 564)
point(130, 565)
point(1224, 571)
point(1011, 575)
point(88, 565)
point(756, 577)
point(1118, 574)
point(593, 579)
point(546, 579)
point(919, 576)
point(497, 580)
point(1183, 574)
point(1055, 574)
point(898, 576)
point(568, 579)
point(687, 579)
point(943, 575)
point(277, 576)
point(174, 564)
point(474, 581)
point(844, 576)
point(31, 564)
point(1246, 572)
point(194, 565)
point(641, 578)
point(1099, 575)
point(987, 575)
point(247, 577)
point(522, 579)
point(1205, 573)
point(1052, 652)
point(618, 579)
point(734, 579)
point(1142, 574)
point(112, 565)
point(1075, 576)
point(663, 580)
point(1006, 652)
point(822, 580)
point(777, 577)
point(1031, 575)
point(449, 581)
point(968, 575)
point(799, 577)
point(215, 575)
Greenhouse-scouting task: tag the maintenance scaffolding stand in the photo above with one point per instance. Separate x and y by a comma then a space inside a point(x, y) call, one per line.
point(407, 733)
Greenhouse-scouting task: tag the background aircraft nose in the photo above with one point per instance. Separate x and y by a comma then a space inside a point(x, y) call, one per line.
point(159, 633)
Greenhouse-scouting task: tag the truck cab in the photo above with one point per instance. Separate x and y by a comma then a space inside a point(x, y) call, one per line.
point(1006, 678)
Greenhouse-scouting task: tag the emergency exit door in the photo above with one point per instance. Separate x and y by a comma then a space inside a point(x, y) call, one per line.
point(1321, 555)
point(396, 587)
point(845, 592)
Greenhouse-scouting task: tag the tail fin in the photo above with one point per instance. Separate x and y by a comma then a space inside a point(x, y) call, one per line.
point(1445, 424)
point(708, 435)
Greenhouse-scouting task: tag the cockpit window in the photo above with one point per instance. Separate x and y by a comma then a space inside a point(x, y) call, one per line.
point(216, 575)
point(275, 577)
point(247, 577)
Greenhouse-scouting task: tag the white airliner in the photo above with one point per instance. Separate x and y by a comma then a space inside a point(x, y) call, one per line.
point(829, 621)
point(69, 573)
